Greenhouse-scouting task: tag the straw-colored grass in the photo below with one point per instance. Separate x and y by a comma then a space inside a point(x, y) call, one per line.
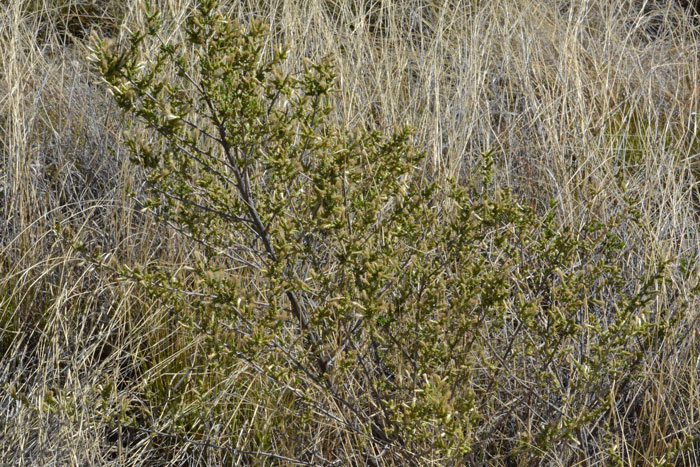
point(591, 104)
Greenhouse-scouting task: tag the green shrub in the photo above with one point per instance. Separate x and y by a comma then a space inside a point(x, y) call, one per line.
point(428, 322)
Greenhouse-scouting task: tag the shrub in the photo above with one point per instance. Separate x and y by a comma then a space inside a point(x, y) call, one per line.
point(403, 320)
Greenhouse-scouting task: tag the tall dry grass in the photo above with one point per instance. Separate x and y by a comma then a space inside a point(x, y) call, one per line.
point(591, 104)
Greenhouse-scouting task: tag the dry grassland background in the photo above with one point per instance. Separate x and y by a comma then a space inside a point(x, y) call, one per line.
point(590, 104)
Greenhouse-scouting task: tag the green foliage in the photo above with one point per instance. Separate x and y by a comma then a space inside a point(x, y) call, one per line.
point(433, 322)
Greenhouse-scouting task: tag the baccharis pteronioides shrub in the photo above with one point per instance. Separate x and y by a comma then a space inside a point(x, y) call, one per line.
point(430, 322)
